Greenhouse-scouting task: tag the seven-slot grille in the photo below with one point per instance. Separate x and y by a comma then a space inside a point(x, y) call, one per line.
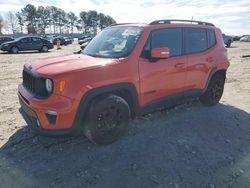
point(34, 84)
point(29, 81)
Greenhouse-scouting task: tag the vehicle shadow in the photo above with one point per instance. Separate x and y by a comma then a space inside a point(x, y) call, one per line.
point(187, 146)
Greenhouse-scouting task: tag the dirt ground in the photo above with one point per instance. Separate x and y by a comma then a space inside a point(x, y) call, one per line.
point(186, 146)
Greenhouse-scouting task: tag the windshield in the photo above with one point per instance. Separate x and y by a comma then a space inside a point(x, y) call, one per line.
point(114, 42)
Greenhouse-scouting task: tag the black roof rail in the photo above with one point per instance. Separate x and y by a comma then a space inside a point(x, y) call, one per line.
point(170, 21)
point(122, 24)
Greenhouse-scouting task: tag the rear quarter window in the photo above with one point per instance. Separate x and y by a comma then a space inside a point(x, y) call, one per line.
point(195, 40)
point(211, 38)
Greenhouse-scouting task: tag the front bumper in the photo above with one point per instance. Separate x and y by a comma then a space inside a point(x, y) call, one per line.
point(3, 48)
point(31, 119)
point(33, 112)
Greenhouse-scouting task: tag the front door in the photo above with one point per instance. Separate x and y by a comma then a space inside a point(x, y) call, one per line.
point(25, 43)
point(163, 77)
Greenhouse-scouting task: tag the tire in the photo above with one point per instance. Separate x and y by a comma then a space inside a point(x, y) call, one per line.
point(214, 91)
point(44, 49)
point(14, 50)
point(107, 119)
point(228, 44)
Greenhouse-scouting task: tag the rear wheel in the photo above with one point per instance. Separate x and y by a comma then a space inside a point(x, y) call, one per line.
point(45, 49)
point(107, 119)
point(214, 91)
point(228, 44)
point(14, 50)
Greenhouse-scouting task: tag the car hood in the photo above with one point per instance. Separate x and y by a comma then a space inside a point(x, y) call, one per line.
point(68, 63)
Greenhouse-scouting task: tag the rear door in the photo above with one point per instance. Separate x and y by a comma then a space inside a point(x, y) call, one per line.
point(36, 43)
point(198, 48)
point(163, 77)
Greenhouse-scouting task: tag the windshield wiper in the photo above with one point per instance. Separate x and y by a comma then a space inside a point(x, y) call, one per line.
point(98, 55)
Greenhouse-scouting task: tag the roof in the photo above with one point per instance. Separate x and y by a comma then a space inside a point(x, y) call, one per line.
point(163, 22)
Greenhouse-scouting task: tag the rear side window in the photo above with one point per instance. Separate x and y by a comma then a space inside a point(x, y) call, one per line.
point(195, 40)
point(171, 38)
point(211, 38)
point(36, 39)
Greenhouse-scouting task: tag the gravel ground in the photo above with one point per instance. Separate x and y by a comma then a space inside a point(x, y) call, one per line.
point(186, 146)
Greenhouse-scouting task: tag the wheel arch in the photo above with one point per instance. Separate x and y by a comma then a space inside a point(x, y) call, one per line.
point(43, 46)
point(213, 73)
point(125, 90)
point(12, 46)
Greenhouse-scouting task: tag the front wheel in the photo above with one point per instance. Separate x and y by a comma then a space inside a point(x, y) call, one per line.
point(107, 119)
point(14, 50)
point(214, 91)
point(228, 44)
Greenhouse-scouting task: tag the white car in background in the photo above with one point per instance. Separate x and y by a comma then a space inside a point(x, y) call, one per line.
point(245, 38)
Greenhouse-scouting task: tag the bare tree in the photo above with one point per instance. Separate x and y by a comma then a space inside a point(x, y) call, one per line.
point(12, 22)
point(43, 19)
point(30, 13)
point(72, 19)
point(20, 19)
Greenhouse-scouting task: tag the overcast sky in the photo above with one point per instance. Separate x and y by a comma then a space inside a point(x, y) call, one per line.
point(232, 16)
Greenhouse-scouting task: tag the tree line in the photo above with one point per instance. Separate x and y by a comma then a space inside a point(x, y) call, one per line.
point(50, 19)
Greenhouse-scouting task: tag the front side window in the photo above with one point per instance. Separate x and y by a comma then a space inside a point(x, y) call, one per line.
point(195, 40)
point(114, 42)
point(25, 40)
point(170, 38)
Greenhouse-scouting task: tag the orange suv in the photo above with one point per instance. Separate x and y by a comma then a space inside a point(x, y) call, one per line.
point(126, 70)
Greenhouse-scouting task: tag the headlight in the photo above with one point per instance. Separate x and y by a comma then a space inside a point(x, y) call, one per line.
point(5, 45)
point(49, 85)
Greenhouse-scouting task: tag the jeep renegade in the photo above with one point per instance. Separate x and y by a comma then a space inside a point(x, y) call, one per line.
point(126, 70)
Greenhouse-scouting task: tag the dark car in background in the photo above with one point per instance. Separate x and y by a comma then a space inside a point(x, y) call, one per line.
point(68, 40)
point(26, 44)
point(227, 40)
point(84, 39)
point(63, 40)
point(5, 39)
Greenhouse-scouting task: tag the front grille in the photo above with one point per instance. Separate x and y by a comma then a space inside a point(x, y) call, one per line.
point(29, 81)
point(34, 84)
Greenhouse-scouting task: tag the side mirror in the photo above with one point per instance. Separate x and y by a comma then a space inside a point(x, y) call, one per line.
point(78, 52)
point(84, 45)
point(160, 53)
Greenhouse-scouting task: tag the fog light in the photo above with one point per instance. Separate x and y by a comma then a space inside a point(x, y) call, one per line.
point(51, 116)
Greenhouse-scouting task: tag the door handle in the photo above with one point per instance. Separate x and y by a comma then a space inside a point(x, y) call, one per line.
point(210, 59)
point(179, 65)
